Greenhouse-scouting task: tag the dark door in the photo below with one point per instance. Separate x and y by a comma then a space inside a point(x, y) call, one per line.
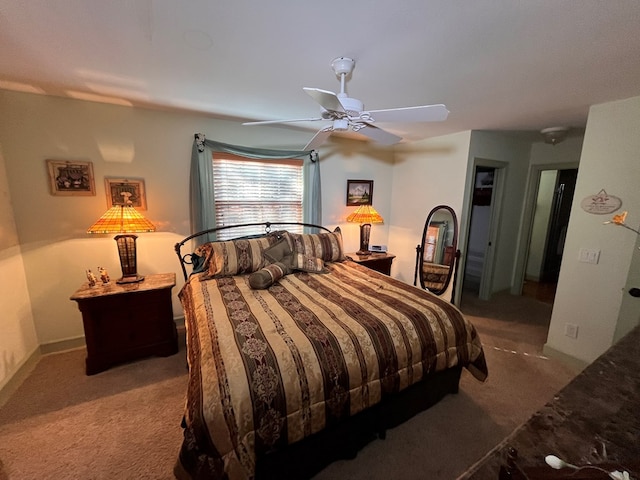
point(562, 198)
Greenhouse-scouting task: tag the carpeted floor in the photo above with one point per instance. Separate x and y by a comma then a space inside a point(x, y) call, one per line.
point(125, 423)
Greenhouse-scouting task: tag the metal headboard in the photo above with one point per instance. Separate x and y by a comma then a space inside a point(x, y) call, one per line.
point(186, 259)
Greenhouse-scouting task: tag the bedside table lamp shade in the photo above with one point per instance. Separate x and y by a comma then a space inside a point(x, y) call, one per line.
point(125, 220)
point(365, 215)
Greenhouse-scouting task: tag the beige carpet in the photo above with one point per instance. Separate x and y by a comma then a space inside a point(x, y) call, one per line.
point(125, 423)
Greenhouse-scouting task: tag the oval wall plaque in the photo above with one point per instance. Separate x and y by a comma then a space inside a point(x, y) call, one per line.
point(601, 203)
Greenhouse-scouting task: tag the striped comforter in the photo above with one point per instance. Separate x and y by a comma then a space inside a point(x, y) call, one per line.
point(270, 367)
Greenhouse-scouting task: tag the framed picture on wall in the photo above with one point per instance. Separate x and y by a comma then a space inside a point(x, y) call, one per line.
point(359, 192)
point(116, 187)
point(68, 177)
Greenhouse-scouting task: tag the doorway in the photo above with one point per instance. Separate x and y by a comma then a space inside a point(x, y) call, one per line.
point(482, 229)
point(551, 212)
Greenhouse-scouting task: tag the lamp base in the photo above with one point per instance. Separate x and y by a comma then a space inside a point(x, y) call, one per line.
point(365, 231)
point(130, 279)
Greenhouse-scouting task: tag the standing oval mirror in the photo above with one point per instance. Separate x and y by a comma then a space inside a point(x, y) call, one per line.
point(437, 253)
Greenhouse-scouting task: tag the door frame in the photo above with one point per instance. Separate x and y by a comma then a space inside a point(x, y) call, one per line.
point(499, 182)
point(526, 224)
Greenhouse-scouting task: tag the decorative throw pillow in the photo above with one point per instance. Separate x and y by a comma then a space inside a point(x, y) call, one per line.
point(235, 257)
point(267, 276)
point(307, 263)
point(280, 251)
point(200, 257)
point(326, 246)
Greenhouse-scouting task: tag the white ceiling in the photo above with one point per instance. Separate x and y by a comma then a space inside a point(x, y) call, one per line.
point(496, 64)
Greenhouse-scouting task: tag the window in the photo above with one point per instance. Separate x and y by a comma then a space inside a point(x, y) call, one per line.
point(253, 190)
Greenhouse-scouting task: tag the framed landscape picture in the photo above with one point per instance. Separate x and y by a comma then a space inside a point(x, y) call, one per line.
point(359, 192)
point(71, 178)
point(115, 187)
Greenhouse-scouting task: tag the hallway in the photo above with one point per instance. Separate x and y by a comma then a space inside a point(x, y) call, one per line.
point(542, 291)
point(518, 322)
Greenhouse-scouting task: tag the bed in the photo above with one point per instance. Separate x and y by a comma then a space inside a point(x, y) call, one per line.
point(298, 356)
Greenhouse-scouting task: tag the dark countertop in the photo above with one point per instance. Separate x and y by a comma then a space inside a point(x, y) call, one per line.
point(595, 419)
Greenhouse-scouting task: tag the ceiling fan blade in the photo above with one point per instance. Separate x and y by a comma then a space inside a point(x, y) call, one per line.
point(327, 99)
point(378, 134)
point(424, 113)
point(318, 139)
point(267, 122)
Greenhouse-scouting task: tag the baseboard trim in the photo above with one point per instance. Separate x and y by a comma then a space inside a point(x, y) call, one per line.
point(16, 378)
point(19, 375)
point(571, 361)
point(62, 345)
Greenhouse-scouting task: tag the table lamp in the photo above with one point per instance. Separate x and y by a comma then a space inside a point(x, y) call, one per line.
point(125, 220)
point(365, 215)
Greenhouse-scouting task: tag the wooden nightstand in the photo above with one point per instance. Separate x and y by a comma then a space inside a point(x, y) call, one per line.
point(380, 262)
point(127, 322)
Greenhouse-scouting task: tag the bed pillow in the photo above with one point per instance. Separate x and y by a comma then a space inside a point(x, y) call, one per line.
point(267, 276)
point(306, 263)
point(235, 257)
point(280, 251)
point(326, 246)
point(199, 259)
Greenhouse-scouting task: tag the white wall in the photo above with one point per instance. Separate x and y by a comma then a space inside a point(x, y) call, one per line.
point(590, 296)
point(629, 315)
point(426, 174)
point(136, 143)
point(342, 160)
point(17, 331)
point(566, 152)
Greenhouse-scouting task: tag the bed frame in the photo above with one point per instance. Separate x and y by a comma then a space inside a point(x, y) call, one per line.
point(304, 459)
point(186, 259)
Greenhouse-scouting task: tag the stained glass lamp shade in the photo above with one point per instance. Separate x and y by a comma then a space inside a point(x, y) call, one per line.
point(125, 220)
point(365, 215)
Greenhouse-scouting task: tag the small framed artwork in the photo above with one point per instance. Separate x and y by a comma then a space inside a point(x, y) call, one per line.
point(71, 177)
point(118, 189)
point(359, 192)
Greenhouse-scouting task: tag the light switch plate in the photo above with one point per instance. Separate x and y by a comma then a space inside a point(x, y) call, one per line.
point(571, 330)
point(589, 255)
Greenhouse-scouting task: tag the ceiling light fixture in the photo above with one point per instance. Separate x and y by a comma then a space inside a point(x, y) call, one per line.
point(554, 135)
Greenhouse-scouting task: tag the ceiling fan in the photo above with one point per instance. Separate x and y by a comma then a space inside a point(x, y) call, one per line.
point(345, 112)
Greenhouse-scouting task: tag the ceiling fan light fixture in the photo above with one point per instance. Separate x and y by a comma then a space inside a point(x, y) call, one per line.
point(352, 106)
point(340, 125)
point(554, 135)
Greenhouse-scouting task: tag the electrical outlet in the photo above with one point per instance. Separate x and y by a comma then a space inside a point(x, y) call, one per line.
point(589, 255)
point(571, 330)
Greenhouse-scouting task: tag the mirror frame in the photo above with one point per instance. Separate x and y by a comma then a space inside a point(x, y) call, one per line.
point(454, 257)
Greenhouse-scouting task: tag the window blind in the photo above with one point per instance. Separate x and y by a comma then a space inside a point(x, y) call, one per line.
point(253, 190)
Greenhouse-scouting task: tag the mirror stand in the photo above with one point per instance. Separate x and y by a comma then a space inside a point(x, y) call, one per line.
point(437, 255)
